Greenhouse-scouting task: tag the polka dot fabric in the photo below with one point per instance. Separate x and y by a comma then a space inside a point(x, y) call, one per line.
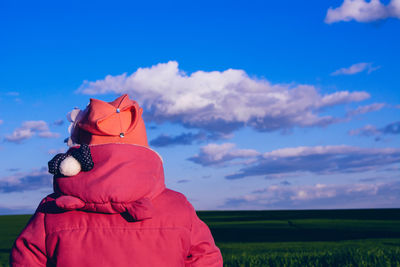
point(54, 164)
point(81, 154)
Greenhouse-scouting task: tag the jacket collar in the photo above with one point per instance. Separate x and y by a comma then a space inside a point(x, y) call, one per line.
point(125, 177)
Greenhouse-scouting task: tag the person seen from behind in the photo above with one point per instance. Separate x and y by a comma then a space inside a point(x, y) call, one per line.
point(110, 206)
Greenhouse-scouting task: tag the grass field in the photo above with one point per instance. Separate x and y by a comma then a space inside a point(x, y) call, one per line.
point(286, 238)
point(307, 238)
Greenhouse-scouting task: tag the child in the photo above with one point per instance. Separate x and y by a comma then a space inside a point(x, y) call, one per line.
point(110, 206)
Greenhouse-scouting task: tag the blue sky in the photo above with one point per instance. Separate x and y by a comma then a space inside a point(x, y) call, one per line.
point(256, 105)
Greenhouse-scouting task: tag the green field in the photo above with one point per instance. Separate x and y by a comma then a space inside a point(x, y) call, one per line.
point(369, 237)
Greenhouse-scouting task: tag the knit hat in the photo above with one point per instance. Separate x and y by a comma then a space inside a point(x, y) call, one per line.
point(119, 121)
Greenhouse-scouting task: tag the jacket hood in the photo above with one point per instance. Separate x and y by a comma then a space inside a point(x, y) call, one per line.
point(125, 177)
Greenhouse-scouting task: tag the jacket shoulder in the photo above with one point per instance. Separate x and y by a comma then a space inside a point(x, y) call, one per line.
point(174, 207)
point(172, 197)
point(174, 194)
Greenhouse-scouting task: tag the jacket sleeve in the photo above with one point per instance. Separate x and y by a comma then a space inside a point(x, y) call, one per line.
point(29, 248)
point(203, 251)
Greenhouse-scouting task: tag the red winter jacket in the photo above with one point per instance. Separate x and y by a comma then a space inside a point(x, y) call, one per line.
point(118, 214)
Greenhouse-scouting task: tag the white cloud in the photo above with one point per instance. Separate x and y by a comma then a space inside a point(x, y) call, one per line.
point(302, 151)
point(359, 195)
point(370, 130)
point(321, 160)
point(19, 135)
point(365, 109)
point(222, 101)
point(363, 11)
point(39, 126)
point(26, 181)
point(48, 134)
point(342, 97)
point(214, 154)
point(1, 122)
point(355, 68)
point(317, 191)
point(367, 130)
point(307, 151)
point(29, 129)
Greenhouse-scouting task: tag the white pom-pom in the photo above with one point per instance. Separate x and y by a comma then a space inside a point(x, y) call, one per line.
point(70, 166)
